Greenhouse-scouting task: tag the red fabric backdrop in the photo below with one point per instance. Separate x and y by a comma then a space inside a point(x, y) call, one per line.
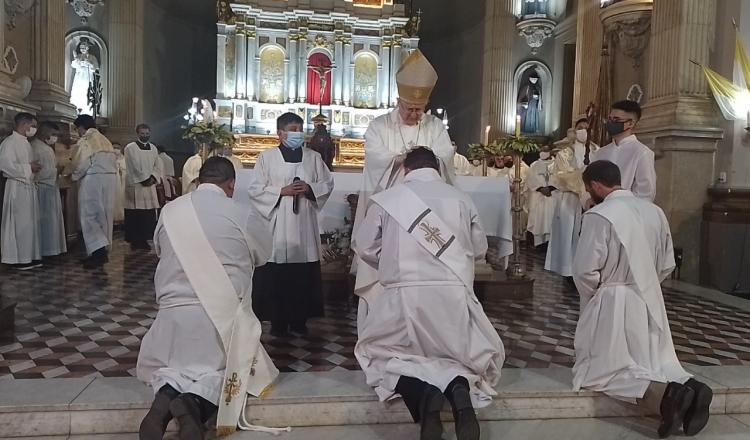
point(313, 82)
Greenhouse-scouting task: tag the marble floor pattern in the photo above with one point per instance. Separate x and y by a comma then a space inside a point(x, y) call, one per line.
point(76, 323)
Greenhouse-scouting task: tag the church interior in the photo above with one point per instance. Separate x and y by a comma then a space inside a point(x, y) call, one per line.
point(70, 336)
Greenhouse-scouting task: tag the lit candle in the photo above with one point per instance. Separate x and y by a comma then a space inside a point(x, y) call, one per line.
point(518, 125)
point(487, 135)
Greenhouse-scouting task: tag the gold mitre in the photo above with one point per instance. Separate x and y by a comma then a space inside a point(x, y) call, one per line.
point(415, 79)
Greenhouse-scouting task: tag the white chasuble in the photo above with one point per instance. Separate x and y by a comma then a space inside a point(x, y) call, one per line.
point(541, 207)
point(296, 237)
point(19, 234)
point(566, 220)
point(622, 340)
point(51, 222)
point(141, 164)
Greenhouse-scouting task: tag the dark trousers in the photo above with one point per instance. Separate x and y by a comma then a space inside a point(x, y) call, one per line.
point(139, 225)
point(412, 390)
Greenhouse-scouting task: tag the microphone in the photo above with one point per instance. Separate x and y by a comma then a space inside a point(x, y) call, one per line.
point(295, 203)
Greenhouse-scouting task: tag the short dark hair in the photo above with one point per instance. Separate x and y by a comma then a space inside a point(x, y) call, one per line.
point(421, 158)
point(85, 121)
point(581, 120)
point(142, 127)
point(217, 170)
point(288, 118)
point(45, 128)
point(23, 117)
point(627, 106)
point(604, 172)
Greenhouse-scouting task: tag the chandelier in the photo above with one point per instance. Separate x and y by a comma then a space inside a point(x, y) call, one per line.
point(85, 8)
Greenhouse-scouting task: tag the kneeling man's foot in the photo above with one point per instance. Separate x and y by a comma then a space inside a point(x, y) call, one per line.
point(188, 413)
point(467, 425)
point(674, 405)
point(155, 423)
point(696, 416)
point(429, 412)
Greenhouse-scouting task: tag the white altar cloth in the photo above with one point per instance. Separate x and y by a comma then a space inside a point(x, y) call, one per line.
point(491, 195)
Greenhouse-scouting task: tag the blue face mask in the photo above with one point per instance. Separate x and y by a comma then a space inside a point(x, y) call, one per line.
point(294, 140)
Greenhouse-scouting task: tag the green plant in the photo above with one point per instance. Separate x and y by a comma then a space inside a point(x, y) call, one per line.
point(481, 151)
point(203, 132)
point(518, 145)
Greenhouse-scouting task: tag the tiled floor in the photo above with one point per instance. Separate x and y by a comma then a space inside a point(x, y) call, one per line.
point(73, 323)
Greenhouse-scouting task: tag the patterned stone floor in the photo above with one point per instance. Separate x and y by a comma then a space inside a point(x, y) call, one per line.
point(73, 323)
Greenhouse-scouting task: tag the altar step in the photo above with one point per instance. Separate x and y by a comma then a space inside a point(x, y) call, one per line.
point(63, 407)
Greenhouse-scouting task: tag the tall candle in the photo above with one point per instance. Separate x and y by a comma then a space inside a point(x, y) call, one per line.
point(518, 125)
point(487, 135)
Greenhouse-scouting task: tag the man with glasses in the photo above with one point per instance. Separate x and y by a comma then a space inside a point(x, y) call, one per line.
point(635, 160)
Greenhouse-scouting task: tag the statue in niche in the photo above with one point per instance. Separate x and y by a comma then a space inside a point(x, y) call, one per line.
point(529, 103)
point(85, 67)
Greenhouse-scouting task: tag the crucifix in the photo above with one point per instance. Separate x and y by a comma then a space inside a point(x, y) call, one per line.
point(321, 71)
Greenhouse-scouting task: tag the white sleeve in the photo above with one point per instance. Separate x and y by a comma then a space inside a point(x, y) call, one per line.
point(644, 185)
point(367, 242)
point(591, 255)
point(323, 185)
point(10, 167)
point(264, 196)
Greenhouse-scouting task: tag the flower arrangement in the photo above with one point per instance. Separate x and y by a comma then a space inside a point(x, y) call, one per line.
point(483, 151)
point(204, 133)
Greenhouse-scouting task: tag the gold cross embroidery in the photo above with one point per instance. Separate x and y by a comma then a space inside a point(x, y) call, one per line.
point(432, 234)
point(232, 388)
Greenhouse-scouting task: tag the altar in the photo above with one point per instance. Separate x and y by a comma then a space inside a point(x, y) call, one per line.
point(491, 195)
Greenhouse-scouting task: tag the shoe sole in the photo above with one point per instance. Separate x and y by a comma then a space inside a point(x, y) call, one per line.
point(697, 415)
point(190, 429)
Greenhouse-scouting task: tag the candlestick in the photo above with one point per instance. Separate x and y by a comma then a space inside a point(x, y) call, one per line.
point(487, 135)
point(518, 125)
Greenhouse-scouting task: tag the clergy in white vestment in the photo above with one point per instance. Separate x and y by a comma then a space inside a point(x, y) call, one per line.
point(171, 184)
point(505, 167)
point(635, 160)
point(462, 166)
point(569, 196)
point(193, 165)
point(387, 140)
point(204, 345)
point(426, 335)
point(51, 223)
point(291, 186)
point(122, 175)
point(95, 168)
point(584, 155)
point(19, 233)
point(541, 203)
point(141, 198)
point(623, 343)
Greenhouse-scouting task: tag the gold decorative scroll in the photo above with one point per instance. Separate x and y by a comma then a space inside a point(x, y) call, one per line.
point(350, 153)
point(369, 3)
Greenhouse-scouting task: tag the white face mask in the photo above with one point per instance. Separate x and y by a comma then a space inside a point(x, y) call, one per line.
point(52, 140)
point(31, 132)
point(544, 155)
point(581, 135)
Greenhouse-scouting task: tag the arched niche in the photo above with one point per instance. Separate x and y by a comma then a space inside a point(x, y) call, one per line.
point(521, 85)
point(319, 59)
point(365, 90)
point(272, 74)
point(98, 48)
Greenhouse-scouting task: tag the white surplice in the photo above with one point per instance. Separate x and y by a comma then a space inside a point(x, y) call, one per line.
point(636, 163)
point(427, 323)
point(566, 220)
point(95, 167)
point(170, 182)
point(193, 166)
point(387, 140)
point(296, 237)
point(51, 222)
point(183, 347)
point(19, 234)
point(141, 165)
point(541, 208)
point(580, 152)
point(122, 176)
point(622, 340)
point(462, 166)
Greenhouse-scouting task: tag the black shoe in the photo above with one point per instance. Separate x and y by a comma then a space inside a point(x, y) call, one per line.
point(154, 425)
point(93, 263)
point(696, 416)
point(431, 428)
point(465, 419)
point(674, 405)
point(188, 413)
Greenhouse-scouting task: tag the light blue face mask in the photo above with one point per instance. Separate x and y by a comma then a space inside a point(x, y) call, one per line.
point(294, 140)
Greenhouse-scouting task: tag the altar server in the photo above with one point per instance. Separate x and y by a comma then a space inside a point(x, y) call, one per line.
point(171, 188)
point(387, 140)
point(426, 335)
point(292, 183)
point(141, 199)
point(194, 162)
point(51, 222)
point(541, 203)
point(95, 167)
point(623, 343)
point(462, 166)
point(19, 233)
point(122, 176)
point(204, 346)
point(635, 160)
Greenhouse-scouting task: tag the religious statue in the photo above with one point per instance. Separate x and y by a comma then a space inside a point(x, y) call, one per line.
point(321, 70)
point(86, 66)
point(224, 13)
point(322, 143)
point(529, 103)
point(413, 25)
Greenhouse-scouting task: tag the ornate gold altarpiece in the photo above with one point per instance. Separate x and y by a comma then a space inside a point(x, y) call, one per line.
point(350, 153)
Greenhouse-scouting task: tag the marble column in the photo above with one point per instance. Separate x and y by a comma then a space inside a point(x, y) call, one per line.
point(221, 59)
point(48, 43)
point(252, 51)
point(302, 91)
point(395, 65)
point(679, 120)
point(498, 97)
point(338, 70)
point(240, 62)
point(348, 71)
point(293, 68)
point(589, 34)
point(126, 69)
point(385, 99)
